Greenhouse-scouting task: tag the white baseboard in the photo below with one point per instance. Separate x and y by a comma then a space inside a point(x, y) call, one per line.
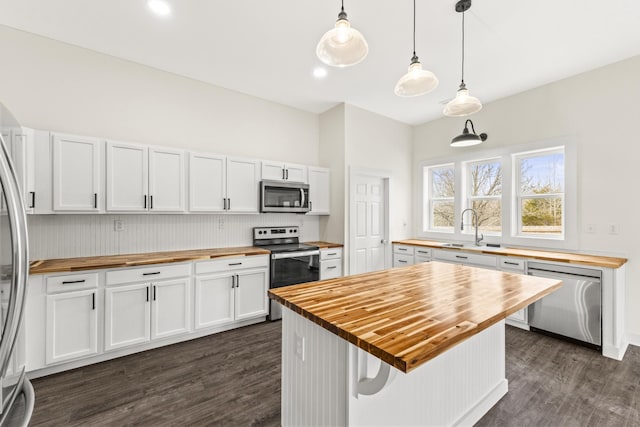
point(634, 339)
point(482, 407)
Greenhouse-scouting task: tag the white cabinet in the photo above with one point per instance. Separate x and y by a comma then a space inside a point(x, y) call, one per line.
point(223, 184)
point(21, 145)
point(77, 173)
point(278, 171)
point(466, 258)
point(330, 263)
point(515, 265)
point(72, 325)
point(230, 290)
point(319, 191)
point(422, 254)
point(158, 307)
point(403, 255)
point(141, 178)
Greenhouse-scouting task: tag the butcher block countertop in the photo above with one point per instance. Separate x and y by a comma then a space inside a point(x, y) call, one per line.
point(132, 260)
point(409, 315)
point(568, 257)
point(324, 245)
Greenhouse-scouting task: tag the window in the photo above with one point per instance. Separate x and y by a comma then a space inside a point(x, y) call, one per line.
point(539, 204)
point(484, 194)
point(439, 198)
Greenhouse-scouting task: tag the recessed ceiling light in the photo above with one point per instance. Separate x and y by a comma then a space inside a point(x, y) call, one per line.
point(320, 73)
point(159, 7)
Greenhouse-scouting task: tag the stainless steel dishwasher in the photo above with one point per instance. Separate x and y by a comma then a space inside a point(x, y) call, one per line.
point(575, 310)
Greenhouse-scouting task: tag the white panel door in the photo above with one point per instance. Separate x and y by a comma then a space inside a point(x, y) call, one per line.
point(243, 180)
point(127, 177)
point(166, 180)
point(273, 171)
point(214, 300)
point(251, 294)
point(127, 316)
point(319, 191)
point(72, 325)
point(295, 173)
point(369, 223)
point(207, 182)
point(76, 173)
point(170, 312)
point(23, 155)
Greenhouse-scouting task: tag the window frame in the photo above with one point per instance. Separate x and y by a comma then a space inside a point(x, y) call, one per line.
point(469, 199)
point(428, 219)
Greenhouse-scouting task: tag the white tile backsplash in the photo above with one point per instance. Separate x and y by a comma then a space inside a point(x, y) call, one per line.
point(65, 236)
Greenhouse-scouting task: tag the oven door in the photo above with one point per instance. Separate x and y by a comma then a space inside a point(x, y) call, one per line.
point(284, 197)
point(291, 268)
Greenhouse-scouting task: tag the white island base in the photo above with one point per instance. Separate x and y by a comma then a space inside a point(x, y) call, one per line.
point(327, 381)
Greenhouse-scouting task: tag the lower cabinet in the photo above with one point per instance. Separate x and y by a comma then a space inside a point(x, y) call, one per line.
point(72, 325)
point(137, 313)
point(330, 263)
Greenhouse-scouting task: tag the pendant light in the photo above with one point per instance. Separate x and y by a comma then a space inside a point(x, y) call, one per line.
point(463, 104)
point(417, 81)
point(467, 139)
point(343, 45)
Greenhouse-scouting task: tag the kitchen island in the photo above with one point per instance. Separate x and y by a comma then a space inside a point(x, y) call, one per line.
point(418, 345)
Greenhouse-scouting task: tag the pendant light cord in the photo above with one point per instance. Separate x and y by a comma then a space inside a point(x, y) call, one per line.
point(342, 5)
point(414, 27)
point(462, 47)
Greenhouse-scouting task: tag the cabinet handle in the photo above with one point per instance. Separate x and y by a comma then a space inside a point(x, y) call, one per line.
point(461, 257)
point(229, 204)
point(151, 274)
point(233, 281)
point(224, 203)
point(423, 252)
point(150, 202)
point(237, 281)
point(511, 263)
point(333, 266)
point(33, 199)
point(310, 205)
point(95, 200)
point(154, 292)
point(402, 249)
point(68, 282)
point(93, 301)
point(147, 294)
point(234, 263)
point(332, 254)
point(401, 260)
point(287, 174)
point(145, 201)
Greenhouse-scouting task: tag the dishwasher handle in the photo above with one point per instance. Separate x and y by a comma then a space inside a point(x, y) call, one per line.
point(548, 274)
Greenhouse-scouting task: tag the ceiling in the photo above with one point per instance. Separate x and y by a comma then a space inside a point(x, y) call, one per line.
point(267, 48)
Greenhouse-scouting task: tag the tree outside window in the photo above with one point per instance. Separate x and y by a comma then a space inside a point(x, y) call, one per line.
point(484, 194)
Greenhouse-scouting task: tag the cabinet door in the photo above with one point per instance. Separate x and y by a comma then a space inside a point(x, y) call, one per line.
point(76, 173)
point(243, 180)
point(207, 182)
point(214, 300)
point(251, 294)
point(273, 171)
point(295, 173)
point(319, 191)
point(127, 177)
point(170, 312)
point(72, 325)
point(23, 155)
point(127, 316)
point(166, 180)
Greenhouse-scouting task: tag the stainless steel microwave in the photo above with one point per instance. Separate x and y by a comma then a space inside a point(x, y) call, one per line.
point(276, 196)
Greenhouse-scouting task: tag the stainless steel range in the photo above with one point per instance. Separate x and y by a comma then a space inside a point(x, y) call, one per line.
point(292, 262)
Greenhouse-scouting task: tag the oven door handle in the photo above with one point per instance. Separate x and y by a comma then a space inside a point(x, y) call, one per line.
point(295, 254)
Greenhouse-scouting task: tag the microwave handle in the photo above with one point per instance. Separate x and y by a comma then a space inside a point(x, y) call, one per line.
point(303, 198)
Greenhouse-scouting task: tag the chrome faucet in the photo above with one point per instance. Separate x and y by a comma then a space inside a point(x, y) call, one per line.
point(475, 219)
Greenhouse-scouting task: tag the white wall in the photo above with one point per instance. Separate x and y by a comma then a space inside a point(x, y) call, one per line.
point(55, 86)
point(599, 110)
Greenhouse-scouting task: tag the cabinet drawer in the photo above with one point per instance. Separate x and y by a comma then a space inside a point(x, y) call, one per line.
point(466, 258)
point(330, 269)
point(226, 264)
point(420, 259)
point(423, 252)
point(400, 260)
point(512, 264)
point(71, 282)
point(334, 253)
point(403, 249)
point(148, 273)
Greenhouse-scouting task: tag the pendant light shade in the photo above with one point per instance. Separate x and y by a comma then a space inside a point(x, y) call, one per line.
point(463, 104)
point(417, 81)
point(343, 45)
point(467, 139)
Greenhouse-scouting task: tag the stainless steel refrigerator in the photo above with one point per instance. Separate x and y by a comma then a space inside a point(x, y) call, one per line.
point(16, 392)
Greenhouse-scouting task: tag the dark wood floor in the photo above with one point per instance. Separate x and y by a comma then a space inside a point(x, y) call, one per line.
point(233, 379)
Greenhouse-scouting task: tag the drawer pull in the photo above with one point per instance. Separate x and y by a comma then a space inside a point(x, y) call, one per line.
point(461, 257)
point(68, 282)
point(511, 263)
point(401, 260)
point(332, 254)
point(423, 252)
point(332, 267)
point(151, 274)
point(402, 249)
point(231, 264)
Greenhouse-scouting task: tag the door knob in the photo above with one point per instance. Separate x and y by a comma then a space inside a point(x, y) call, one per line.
point(383, 241)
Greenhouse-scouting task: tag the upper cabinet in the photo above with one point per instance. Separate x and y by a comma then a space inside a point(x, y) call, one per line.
point(77, 173)
point(243, 180)
point(141, 178)
point(278, 171)
point(319, 181)
point(20, 145)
